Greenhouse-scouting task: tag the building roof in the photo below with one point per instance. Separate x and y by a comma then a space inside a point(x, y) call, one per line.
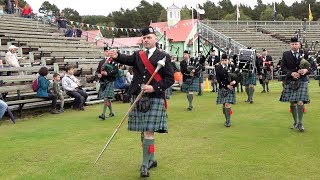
point(121, 42)
point(91, 35)
point(173, 7)
point(178, 32)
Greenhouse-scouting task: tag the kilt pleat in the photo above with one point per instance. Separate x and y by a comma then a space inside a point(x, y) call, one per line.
point(230, 98)
point(290, 95)
point(108, 91)
point(250, 79)
point(194, 87)
point(153, 120)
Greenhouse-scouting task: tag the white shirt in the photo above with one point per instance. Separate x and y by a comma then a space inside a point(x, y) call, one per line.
point(70, 82)
point(129, 77)
point(12, 59)
point(151, 51)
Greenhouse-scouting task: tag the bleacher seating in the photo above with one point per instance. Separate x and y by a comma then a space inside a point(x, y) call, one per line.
point(42, 45)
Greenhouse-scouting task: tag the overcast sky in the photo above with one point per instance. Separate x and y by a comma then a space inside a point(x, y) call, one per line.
point(104, 7)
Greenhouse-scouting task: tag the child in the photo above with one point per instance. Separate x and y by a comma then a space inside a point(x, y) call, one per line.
point(57, 90)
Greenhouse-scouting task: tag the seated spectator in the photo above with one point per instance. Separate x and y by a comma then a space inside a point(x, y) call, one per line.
point(3, 108)
point(62, 23)
point(72, 87)
point(27, 11)
point(43, 89)
point(73, 32)
point(129, 75)
point(11, 57)
point(120, 82)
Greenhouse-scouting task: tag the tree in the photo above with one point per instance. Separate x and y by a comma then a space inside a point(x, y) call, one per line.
point(258, 9)
point(233, 17)
point(51, 7)
point(268, 15)
point(149, 13)
point(283, 9)
point(292, 18)
point(226, 6)
point(72, 15)
point(163, 16)
point(185, 13)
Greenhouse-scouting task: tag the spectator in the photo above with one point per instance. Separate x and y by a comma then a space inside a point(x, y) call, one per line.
point(43, 89)
point(27, 11)
point(62, 23)
point(12, 58)
point(3, 108)
point(73, 32)
point(9, 6)
point(72, 86)
point(129, 75)
point(120, 82)
point(57, 90)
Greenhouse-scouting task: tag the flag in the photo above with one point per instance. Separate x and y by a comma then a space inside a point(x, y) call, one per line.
point(310, 14)
point(274, 12)
point(238, 12)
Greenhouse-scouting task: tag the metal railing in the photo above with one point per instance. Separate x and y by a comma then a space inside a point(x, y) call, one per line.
point(221, 41)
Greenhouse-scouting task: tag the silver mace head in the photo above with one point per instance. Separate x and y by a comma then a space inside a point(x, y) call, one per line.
point(161, 63)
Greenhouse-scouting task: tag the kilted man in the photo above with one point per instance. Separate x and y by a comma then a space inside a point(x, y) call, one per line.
point(106, 73)
point(149, 115)
point(227, 80)
point(249, 80)
point(190, 70)
point(295, 88)
point(265, 63)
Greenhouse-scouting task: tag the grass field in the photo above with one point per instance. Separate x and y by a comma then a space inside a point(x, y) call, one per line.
point(259, 145)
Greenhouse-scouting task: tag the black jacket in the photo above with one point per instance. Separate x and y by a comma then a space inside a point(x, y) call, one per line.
point(142, 75)
point(184, 68)
point(111, 75)
point(222, 76)
point(290, 64)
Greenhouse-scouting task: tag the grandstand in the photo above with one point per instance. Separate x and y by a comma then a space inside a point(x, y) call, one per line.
point(274, 36)
point(42, 45)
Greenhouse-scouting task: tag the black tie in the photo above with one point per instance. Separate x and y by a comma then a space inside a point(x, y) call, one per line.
point(147, 52)
point(296, 55)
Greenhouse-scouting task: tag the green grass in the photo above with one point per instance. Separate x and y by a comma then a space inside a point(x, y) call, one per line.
point(259, 145)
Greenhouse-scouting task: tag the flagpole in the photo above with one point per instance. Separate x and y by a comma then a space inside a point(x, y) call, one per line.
point(193, 34)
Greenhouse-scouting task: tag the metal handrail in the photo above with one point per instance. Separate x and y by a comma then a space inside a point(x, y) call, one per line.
point(220, 40)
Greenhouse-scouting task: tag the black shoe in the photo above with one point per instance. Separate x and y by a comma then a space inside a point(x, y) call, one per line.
point(54, 111)
point(144, 171)
point(247, 100)
point(111, 115)
point(152, 164)
point(103, 117)
point(227, 124)
point(294, 126)
point(251, 102)
point(263, 91)
point(190, 108)
point(300, 127)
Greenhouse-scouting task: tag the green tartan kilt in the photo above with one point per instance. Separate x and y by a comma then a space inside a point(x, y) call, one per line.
point(201, 76)
point(154, 120)
point(107, 91)
point(267, 76)
point(194, 87)
point(250, 79)
point(290, 95)
point(230, 98)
